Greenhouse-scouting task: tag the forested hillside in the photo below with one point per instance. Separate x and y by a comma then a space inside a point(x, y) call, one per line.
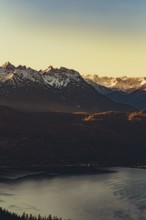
point(44, 139)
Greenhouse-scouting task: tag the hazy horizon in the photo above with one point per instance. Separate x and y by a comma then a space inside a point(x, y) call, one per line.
point(107, 38)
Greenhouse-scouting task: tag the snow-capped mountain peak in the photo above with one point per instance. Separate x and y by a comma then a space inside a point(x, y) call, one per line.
point(18, 76)
point(55, 77)
point(60, 77)
point(124, 84)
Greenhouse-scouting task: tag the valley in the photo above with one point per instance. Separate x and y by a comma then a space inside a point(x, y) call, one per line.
point(46, 139)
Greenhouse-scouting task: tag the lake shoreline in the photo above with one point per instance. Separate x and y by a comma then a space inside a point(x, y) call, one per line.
point(17, 173)
point(86, 196)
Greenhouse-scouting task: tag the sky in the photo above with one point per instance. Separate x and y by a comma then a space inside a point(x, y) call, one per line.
point(104, 37)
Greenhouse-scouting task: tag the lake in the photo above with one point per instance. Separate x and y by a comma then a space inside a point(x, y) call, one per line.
point(108, 196)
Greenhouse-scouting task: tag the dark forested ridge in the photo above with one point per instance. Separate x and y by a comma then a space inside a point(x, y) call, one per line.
point(44, 139)
point(6, 215)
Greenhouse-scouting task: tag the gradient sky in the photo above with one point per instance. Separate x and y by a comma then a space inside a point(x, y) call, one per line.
point(104, 37)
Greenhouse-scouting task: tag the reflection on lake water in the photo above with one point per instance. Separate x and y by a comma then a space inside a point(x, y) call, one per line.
point(108, 196)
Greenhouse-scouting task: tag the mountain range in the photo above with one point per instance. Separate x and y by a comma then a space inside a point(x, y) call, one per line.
point(52, 89)
point(70, 119)
point(125, 90)
point(65, 90)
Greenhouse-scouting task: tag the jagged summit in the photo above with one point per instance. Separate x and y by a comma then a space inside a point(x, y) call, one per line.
point(124, 83)
point(62, 70)
point(50, 68)
point(50, 77)
point(8, 66)
point(60, 77)
point(125, 90)
point(22, 67)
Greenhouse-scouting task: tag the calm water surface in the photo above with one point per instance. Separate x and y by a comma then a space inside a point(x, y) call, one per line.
point(110, 196)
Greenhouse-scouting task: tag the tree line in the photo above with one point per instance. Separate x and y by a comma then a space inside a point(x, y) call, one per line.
point(6, 215)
